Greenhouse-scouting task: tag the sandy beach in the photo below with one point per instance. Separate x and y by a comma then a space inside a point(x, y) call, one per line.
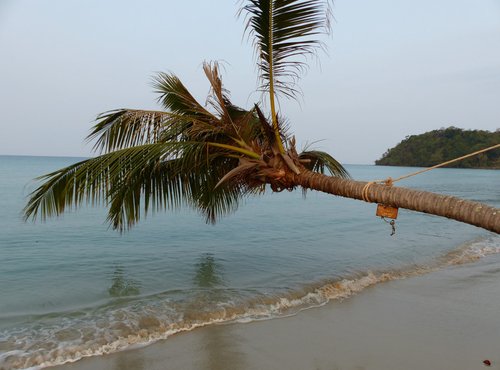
point(448, 319)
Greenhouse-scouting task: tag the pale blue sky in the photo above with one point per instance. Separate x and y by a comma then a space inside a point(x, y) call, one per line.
point(393, 68)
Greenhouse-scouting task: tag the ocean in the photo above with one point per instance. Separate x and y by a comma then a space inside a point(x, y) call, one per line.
point(72, 287)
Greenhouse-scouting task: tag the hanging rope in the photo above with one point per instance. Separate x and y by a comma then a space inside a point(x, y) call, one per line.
point(389, 181)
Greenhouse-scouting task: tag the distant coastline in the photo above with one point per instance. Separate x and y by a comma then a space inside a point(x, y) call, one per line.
point(43, 156)
point(437, 146)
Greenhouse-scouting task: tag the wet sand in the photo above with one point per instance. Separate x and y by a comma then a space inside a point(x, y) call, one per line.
point(448, 319)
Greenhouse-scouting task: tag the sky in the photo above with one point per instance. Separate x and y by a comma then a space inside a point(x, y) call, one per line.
point(392, 69)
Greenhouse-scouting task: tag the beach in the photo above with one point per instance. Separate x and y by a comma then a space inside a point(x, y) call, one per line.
point(447, 319)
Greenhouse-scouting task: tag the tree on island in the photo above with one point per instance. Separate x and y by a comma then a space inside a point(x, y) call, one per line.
point(210, 157)
point(438, 146)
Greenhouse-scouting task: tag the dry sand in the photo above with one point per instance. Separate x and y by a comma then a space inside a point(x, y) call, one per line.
point(449, 319)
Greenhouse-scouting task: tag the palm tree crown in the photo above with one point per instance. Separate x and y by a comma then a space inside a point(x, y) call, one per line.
point(205, 157)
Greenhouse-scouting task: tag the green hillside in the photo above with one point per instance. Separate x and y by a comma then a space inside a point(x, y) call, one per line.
point(441, 145)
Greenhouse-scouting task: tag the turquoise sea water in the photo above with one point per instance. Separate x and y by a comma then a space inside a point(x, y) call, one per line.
point(72, 287)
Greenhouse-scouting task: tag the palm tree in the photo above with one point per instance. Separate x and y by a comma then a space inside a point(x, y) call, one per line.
point(211, 156)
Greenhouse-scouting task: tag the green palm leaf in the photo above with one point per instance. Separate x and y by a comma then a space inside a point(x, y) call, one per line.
point(123, 128)
point(131, 180)
point(187, 180)
point(318, 161)
point(211, 201)
point(98, 179)
point(284, 32)
point(176, 98)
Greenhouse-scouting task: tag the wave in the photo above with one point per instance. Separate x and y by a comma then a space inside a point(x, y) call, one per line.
point(106, 330)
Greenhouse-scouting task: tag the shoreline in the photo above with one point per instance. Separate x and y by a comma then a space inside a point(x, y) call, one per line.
point(442, 320)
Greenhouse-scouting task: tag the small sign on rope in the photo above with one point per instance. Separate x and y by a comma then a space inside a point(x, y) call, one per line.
point(387, 211)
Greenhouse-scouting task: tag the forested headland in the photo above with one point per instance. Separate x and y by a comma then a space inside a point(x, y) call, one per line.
point(437, 146)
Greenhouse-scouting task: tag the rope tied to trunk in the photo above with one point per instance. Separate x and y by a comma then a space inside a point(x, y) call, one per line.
point(364, 193)
point(389, 181)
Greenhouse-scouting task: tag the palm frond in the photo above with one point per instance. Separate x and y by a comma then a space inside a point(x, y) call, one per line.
point(130, 181)
point(218, 97)
point(266, 127)
point(239, 173)
point(318, 161)
point(186, 181)
point(214, 202)
point(96, 180)
point(176, 98)
point(284, 32)
point(249, 126)
point(122, 128)
point(158, 183)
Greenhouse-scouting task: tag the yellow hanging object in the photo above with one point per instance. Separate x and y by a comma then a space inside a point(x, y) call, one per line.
point(387, 211)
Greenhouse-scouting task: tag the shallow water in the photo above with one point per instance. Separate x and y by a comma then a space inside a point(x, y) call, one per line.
point(71, 287)
point(447, 319)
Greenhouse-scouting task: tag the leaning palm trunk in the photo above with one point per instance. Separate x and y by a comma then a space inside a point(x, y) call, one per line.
point(474, 213)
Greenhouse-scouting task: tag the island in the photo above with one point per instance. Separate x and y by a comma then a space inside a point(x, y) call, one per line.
point(437, 146)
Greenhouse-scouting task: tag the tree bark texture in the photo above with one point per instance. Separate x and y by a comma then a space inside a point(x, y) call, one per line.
point(470, 212)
